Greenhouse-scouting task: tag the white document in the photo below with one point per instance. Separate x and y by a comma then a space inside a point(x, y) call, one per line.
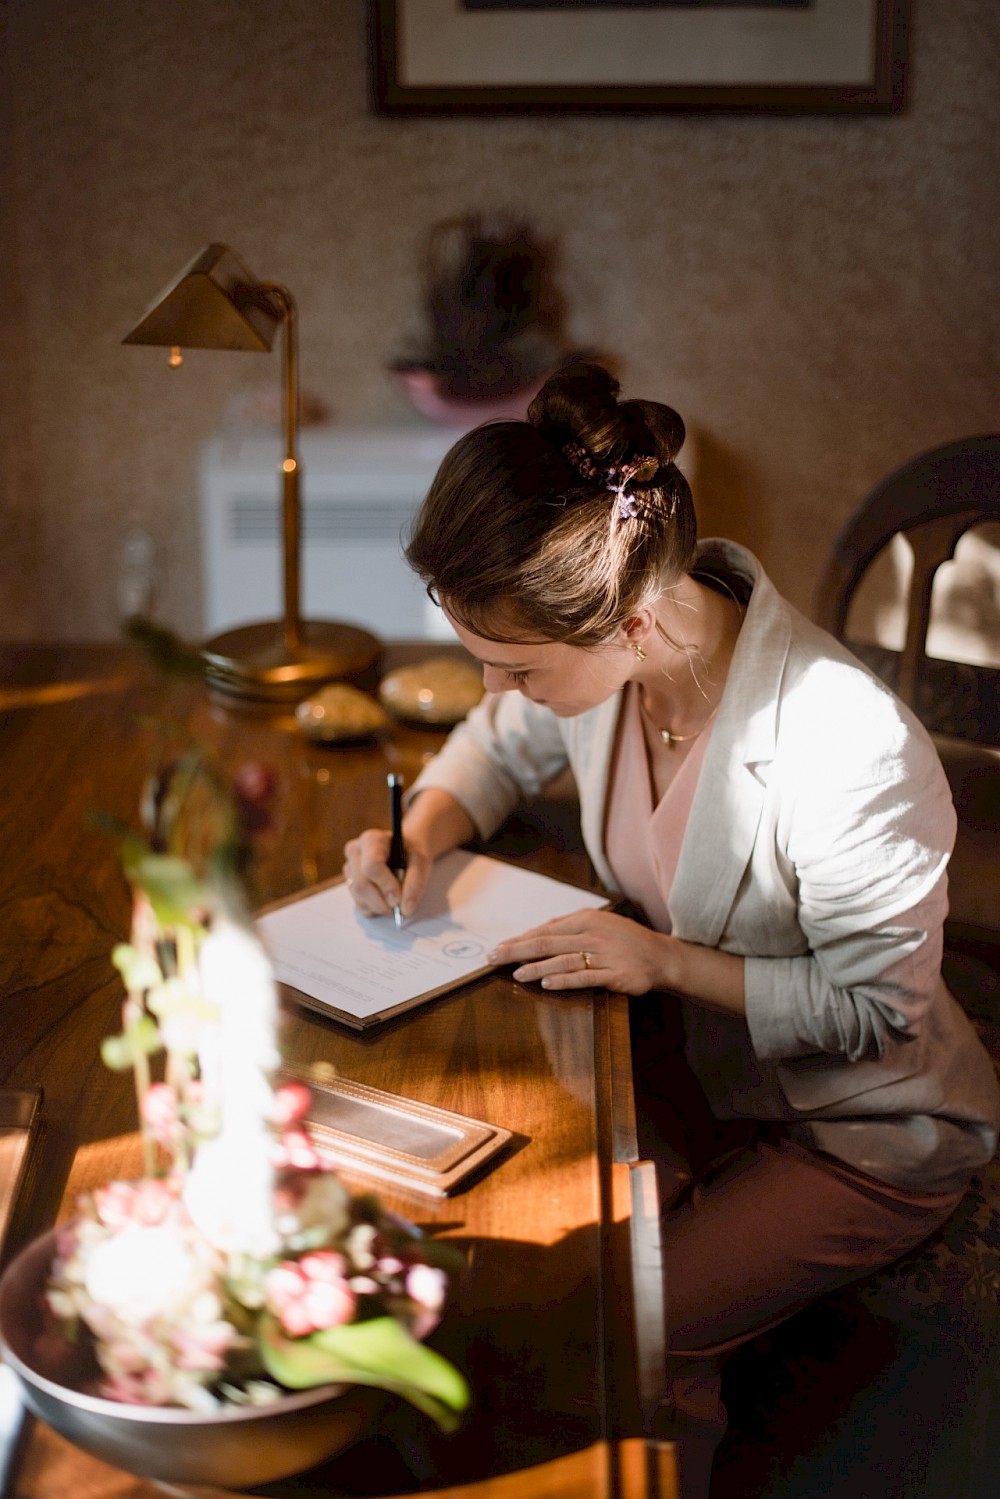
point(363, 969)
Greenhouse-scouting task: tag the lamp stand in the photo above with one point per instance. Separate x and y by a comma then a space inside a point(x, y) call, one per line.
point(280, 662)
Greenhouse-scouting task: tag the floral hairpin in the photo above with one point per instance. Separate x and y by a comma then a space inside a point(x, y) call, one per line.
point(582, 461)
point(624, 474)
point(617, 476)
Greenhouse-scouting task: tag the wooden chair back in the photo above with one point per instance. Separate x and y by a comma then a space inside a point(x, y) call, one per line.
point(934, 499)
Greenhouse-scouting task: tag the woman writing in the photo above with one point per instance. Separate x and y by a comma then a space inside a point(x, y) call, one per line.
point(780, 820)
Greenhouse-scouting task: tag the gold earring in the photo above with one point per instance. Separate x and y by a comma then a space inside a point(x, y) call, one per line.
point(640, 654)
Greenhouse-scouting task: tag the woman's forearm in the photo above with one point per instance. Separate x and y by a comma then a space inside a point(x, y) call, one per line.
point(704, 974)
point(435, 823)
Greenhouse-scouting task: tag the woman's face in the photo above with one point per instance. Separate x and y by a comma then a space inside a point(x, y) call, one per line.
point(563, 678)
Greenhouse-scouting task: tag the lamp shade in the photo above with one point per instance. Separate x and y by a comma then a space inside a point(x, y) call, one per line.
point(215, 303)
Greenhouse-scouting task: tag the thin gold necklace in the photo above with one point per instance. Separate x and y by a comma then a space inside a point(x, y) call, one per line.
point(670, 739)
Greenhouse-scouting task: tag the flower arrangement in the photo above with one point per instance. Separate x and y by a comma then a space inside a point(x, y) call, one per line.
point(239, 1266)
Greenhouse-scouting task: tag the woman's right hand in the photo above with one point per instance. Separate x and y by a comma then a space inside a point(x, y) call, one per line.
point(373, 886)
point(433, 823)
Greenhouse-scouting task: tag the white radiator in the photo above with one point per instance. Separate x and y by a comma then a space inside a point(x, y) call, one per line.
point(360, 490)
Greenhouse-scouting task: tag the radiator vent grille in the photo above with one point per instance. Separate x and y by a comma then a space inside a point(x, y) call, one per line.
point(253, 520)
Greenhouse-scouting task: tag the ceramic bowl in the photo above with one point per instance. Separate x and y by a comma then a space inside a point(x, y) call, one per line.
point(429, 396)
point(235, 1447)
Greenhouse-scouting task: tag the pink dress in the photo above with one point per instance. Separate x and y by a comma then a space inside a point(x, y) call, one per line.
point(642, 837)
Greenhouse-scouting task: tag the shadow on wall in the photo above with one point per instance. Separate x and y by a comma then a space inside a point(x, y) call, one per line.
point(724, 491)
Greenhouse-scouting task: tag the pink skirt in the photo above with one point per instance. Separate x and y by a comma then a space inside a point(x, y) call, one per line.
point(773, 1227)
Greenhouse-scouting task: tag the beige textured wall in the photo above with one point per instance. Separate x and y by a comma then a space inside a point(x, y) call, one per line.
point(818, 296)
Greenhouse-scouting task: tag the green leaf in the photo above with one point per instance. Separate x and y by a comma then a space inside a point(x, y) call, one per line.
point(175, 893)
point(139, 970)
point(165, 649)
point(106, 822)
point(120, 1052)
point(132, 850)
point(379, 1352)
point(174, 1000)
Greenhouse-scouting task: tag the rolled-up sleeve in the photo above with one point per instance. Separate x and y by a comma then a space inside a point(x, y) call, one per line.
point(507, 749)
point(867, 834)
point(850, 1004)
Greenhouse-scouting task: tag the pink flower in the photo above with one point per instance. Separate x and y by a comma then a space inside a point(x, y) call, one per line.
point(202, 1347)
point(159, 1111)
point(294, 1318)
point(254, 786)
point(296, 1149)
point(114, 1205)
point(427, 1285)
point(285, 1291)
point(291, 1102)
point(329, 1305)
point(123, 1204)
point(202, 1337)
point(66, 1241)
point(123, 1357)
point(310, 1294)
point(151, 1203)
point(323, 1264)
point(283, 1283)
point(149, 1388)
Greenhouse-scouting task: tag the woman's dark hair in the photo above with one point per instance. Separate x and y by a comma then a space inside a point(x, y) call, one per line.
point(563, 526)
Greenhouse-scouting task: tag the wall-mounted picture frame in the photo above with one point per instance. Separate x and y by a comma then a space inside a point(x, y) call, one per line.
point(447, 57)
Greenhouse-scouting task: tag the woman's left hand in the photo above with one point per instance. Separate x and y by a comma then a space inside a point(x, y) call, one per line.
point(589, 948)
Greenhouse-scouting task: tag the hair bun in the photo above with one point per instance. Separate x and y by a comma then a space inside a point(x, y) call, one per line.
point(579, 404)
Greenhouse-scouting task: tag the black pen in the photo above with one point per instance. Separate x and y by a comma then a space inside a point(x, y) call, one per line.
point(397, 853)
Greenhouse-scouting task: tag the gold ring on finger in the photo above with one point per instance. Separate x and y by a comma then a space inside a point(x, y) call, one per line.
point(586, 960)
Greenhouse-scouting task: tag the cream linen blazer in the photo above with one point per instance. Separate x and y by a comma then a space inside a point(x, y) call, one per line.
point(816, 847)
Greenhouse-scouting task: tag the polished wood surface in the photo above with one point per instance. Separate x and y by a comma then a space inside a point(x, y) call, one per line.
point(543, 1324)
point(630, 1469)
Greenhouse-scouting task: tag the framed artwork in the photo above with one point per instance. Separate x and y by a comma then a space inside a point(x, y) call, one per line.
point(633, 56)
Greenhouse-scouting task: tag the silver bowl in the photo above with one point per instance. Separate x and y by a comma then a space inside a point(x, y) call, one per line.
point(235, 1447)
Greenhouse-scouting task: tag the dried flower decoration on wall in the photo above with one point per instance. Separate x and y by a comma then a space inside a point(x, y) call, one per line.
point(489, 326)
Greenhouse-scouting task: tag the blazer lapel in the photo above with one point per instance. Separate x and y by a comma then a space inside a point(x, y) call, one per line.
point(725, 814)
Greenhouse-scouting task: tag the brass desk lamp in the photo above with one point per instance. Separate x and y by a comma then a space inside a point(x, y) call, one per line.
point(216, 303)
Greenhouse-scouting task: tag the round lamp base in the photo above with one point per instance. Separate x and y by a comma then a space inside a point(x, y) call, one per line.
point(254, 661)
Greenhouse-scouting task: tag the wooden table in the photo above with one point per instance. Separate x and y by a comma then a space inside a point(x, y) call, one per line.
point(562, 1361)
